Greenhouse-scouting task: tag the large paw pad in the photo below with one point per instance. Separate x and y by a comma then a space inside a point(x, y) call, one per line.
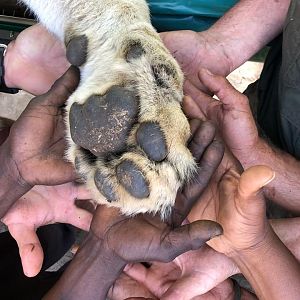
point(102, 124)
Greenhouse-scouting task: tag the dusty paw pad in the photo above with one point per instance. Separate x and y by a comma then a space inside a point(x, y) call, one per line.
point(77, 50)
point(102, 124)
point(132, 179)
point(105, 187)
point(151, 139)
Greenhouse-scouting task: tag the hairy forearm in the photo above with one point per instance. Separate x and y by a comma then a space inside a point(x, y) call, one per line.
point(285, 188)
point(90, 274)
point(288, 230)
point(248, 27)
point(271, 269)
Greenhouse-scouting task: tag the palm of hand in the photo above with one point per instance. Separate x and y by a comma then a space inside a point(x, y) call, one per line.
point(41, 206)
point(37, 53)
point(49, 204)
point(36, 140)
point(37, 143)
point(242, 212)
point(187, 276)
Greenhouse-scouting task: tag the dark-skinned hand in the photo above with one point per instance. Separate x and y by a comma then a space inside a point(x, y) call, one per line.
point(115, 240)
point(36, 141)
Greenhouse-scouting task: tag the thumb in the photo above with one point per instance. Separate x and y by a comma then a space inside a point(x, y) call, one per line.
point(30, 249)
point(253, 179)
point(63, 87)
point(137, 272)
point(189, 237)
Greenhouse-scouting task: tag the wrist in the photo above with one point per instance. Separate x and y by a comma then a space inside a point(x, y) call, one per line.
point(215, 50)
point(270, 268)
point(258, 251)
point(91, 273)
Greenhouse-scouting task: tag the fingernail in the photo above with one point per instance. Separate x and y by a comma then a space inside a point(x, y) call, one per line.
point(271, 179)
point(218, 231)
point(208, 72)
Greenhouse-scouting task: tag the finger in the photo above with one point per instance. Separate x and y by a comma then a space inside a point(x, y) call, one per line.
point(194, 126)
point(204, 101)
point(137, 272)
point(188, 237)
point(83, 192)
point(253, 179)
point(202, 139)
point(59, 172)
point(62, 88)
point(191, 109)
point(221, 87)
point(86, 204)
point(207, 165)
point(30, 249)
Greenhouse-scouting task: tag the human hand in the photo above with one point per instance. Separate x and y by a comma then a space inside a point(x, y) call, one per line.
point(195, 50)
point(242, 210)
point(189, 275)
point(232, 115)
point(41, 206)
point(35, 60)
point(114, 240)
point(128, 289)
point(36, 141)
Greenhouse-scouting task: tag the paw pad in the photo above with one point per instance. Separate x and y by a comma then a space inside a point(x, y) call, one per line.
point(151, 139)
point(132, 179)
point(77, 50)
point(103, 123)
point(104, 186)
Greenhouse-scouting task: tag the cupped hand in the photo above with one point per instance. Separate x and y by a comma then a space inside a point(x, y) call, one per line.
point(232, 115)
point(35, 60)
point(41, 206)
point(36, 141)
point(242, 210)
point(189, 275)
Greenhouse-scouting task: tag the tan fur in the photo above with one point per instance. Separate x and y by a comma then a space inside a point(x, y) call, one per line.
point(111, 25)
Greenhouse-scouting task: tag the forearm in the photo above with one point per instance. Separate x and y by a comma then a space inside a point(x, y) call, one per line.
point(271, 269)
point(89, 276)
point(285, 188)
point(12, 186)
point(288, 230)
point(247, 28)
